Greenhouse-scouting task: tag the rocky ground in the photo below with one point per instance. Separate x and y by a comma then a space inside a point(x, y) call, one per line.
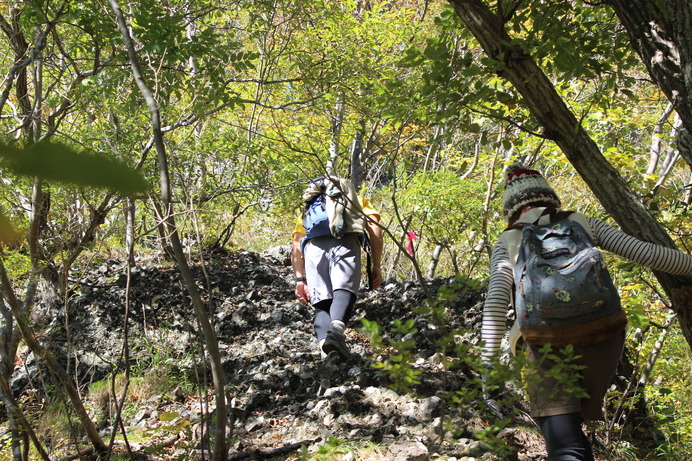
point(286, 401)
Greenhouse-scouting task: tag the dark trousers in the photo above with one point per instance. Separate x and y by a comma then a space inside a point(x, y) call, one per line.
point(564, 438)
point(339, 308)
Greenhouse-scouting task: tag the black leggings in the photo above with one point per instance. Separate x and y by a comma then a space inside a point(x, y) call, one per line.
point(339, 308)
point(564, 438)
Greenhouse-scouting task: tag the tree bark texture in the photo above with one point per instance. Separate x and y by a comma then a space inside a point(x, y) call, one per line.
point(562, 126)
point(661, 34)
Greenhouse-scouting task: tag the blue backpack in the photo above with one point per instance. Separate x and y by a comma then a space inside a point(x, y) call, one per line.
point(564, 293)
point(316, 218)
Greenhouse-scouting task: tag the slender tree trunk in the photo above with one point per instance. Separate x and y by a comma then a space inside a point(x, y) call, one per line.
point(356, 156)
point(660, 33)
point(29, 111)
point(672, 155)
point(337, 124)
point(434, 261)
point(433, 149)
point(220, 451)
point(476, 156)
point(22, 320)
point(17, 418)
point(562, 126)
point(8, 350)
point(129, 211)
point(655, 152)
point(118, 423)
point(655, 352)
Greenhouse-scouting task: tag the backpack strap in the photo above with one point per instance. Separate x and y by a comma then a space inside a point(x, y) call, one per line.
point(560, 215)
point(511, 239)
point(553, 213)
point(368, 268)
point(556, 216)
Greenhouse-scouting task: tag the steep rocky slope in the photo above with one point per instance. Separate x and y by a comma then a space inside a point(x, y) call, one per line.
point(285, 400)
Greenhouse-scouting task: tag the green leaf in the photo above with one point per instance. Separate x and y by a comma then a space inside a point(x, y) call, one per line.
point(57, 162)
point(169, 416)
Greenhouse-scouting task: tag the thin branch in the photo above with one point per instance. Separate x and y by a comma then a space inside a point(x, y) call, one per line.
point(15, 69)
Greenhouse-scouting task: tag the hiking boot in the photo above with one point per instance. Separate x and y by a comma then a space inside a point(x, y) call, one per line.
point(336, 342)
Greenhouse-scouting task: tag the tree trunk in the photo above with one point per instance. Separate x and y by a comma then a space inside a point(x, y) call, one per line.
point(660, 34)
point(30, 106)
point(433, 149)
point(335, 142)
point(220, 451)
point(435, 260)
point(22, 320)
point(356, 156)
point(562, 126)
point(16, 417)
point(655, 151)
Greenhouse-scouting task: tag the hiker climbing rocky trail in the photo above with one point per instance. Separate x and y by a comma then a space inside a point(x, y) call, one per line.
point(281, 393)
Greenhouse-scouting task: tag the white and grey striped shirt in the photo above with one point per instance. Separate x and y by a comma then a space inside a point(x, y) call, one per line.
point(606, 237)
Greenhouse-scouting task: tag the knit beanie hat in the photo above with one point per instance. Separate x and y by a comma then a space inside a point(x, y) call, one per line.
point(524, 186)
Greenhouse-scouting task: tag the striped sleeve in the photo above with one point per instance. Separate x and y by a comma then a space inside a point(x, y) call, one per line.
point(497, 301)
point(648, 254)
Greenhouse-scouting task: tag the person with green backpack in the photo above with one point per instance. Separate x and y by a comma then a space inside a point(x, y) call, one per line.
point(335, 226)
point(547, 267)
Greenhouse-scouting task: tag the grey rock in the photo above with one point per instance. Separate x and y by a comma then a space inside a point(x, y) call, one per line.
point(408, 451)
point(430, 408)
point(279, 255)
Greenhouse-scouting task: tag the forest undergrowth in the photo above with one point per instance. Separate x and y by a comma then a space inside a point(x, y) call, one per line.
point(411, 389)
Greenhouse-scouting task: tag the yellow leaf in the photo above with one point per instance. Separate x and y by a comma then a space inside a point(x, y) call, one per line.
point(7, 232)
